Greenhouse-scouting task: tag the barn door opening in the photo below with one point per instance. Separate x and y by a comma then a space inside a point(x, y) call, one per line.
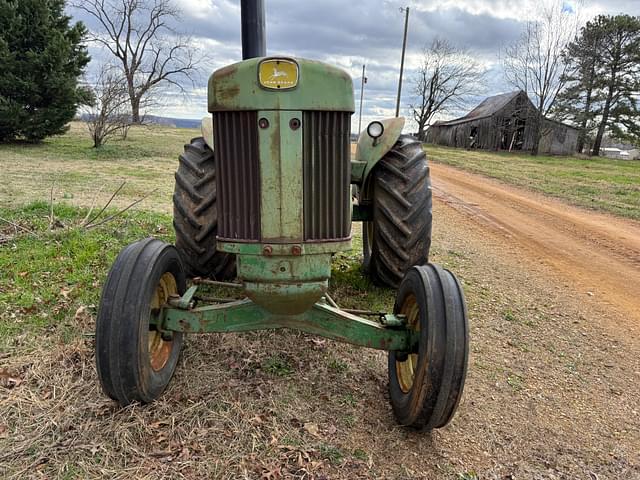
point(517, 140)
point(473, 138)
point(507, 134)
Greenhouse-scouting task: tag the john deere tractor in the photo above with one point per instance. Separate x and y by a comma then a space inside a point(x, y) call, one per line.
point(262, 201)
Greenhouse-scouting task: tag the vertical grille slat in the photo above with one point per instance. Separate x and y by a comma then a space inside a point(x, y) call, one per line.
point(238, 174)
point(326, 164)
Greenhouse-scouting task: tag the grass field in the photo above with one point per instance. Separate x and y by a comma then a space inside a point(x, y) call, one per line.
point(49, 291)
point(46, 274)
point(600, 183)
point(78, 173)
point(271, 405)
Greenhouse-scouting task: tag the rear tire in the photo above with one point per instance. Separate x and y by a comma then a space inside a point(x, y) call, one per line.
point(195, 215)
point(425, 386)
point(399, 236)
point(134, 361)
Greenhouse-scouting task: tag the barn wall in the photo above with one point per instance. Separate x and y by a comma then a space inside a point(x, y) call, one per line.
point(558, 139)
point(460, 135)
point(511, 127)
point(518, 114)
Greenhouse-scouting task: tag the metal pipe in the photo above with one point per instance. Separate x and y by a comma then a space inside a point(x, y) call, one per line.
point(253, 29)
point(369, 313)
point(330, 300)
point(404, 48)
point(206, 281)
point(362, 82)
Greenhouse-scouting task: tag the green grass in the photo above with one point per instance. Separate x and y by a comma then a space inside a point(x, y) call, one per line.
point(278, 365)
point(47, 278)
point(332, 454)
point(600, 183)
point(76, 145)
point(78, 173)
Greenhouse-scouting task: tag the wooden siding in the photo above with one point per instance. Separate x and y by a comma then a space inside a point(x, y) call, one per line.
point(509, 128)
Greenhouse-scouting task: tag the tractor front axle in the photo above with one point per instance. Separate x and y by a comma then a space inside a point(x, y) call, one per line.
point(390, 333)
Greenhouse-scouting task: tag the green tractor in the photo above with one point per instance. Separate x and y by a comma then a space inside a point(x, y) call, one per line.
point(265, 197)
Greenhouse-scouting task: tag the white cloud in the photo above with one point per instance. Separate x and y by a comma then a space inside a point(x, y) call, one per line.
point(350, 33)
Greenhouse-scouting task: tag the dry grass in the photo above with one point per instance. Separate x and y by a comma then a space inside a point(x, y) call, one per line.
point(552, 390)
point(224, 416)
point(147, 160)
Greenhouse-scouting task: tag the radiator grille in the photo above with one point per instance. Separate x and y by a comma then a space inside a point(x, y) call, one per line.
point(238, 174)
point(326, 166)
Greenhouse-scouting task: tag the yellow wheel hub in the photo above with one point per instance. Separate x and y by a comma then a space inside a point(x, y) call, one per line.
point(159, 348)
point(406, 370)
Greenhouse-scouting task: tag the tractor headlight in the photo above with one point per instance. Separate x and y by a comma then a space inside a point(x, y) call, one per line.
point(375, 129)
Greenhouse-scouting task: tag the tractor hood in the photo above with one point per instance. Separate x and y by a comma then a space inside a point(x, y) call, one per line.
point(280, 83)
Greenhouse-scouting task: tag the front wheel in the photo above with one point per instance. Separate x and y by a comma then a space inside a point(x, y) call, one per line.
point(135, 361)
point(425, 386)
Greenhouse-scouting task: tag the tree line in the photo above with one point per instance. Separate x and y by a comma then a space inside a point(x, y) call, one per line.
point(44, 56)
point(588, 76)
point(602, 93)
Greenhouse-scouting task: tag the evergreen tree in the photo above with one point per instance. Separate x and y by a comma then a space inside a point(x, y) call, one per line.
point(41, 59)
point(603, 81)
point(580, 101)
point(618, 76)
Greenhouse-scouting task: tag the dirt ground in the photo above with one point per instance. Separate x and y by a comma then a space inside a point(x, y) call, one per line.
point(598, 254)
point(552, 391)
point(574, 276)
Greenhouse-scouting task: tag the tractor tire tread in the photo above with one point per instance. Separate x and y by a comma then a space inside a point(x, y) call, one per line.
point(195, 214)
point(402, 200)
point(443, 352)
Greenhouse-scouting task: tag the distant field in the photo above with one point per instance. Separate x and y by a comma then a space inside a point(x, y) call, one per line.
point(147, 161)
point(600, 183)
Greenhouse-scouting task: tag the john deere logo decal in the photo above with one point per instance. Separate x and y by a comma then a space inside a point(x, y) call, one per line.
point(278, 74)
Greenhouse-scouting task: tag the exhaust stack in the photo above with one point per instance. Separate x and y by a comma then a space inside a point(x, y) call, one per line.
point(253, 29)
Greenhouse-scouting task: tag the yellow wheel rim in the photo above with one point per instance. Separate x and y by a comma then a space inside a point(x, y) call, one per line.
point(406, 370)
point(159, 348)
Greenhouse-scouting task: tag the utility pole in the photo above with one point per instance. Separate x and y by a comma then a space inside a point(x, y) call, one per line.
point(404, 48)
point(364, 80)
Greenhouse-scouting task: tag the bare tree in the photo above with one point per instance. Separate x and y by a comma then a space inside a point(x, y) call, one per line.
point(109, 116)
point(139, 34)
point(446, 79)
point(535, 64)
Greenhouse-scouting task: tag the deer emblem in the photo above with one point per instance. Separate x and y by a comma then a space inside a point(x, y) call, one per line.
point(277, 73)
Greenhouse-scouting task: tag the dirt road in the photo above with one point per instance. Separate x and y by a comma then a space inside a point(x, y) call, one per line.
point(596, 254)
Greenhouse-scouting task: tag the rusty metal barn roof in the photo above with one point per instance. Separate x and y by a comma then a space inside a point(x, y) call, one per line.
point(488, 107)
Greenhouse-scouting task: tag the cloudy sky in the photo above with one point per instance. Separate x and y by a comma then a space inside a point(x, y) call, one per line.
point(349, 33)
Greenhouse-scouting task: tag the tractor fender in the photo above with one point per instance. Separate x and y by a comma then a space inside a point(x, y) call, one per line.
point(369, 152)
point(206, 127)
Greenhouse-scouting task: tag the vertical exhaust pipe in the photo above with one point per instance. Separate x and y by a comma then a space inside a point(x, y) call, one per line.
point(253, 29)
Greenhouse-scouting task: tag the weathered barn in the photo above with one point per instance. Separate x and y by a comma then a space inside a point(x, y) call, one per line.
point(504, 122)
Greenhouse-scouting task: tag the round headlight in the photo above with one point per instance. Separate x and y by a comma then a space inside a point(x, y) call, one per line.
point(375, 129)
